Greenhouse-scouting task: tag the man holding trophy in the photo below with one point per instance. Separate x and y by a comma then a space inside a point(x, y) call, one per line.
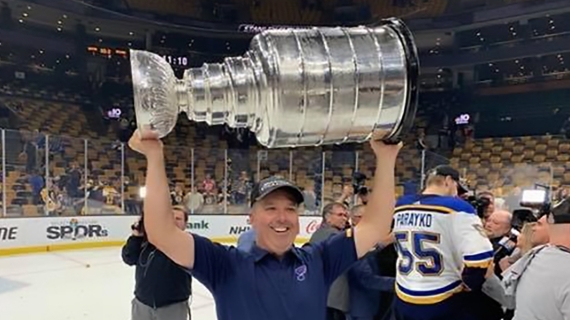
point(293, 88)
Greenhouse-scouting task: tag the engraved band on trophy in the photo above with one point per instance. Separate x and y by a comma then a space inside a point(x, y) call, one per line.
point(293, 87)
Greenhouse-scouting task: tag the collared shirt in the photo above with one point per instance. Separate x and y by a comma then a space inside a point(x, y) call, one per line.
point(246, 240)
point(259, 286)
point(543, 289)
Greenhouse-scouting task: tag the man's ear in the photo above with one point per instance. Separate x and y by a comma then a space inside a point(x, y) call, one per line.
point(251, 218)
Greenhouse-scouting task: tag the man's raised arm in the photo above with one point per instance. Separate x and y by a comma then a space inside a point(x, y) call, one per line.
point(377, 217)
point(159, 222)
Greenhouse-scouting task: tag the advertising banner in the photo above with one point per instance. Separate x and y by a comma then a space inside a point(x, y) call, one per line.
point(71, 231)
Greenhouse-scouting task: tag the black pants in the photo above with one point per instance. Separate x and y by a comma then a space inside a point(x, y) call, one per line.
point(334, 314)
point(450, 309)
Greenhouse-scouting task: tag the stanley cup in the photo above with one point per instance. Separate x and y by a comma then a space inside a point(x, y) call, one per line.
point(293, 87)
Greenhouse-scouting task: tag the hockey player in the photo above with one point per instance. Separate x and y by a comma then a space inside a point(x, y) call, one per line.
point(442, 249)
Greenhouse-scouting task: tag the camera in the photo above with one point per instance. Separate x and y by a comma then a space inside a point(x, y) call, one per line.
point(139, 226)
point(539, 204)
point(481, 204)
point(359, 183)
point(536, 204)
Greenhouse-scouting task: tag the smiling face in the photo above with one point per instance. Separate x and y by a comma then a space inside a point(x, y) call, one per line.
point(275, 219)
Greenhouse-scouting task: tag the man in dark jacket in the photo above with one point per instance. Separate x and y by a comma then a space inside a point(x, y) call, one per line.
point(365, 281)
point(366, 285)
point(162, 288)
point(335, 218)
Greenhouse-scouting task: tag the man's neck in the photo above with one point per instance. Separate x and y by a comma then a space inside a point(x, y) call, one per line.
point(434, 191)
point(262, 245)
point(560, 240)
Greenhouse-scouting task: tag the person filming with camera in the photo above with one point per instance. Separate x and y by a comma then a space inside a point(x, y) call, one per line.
point(162, 288)
point(538, 284)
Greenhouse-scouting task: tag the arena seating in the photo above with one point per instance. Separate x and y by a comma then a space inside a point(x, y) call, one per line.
point(504, 163)
point(493, 163)
point(288, 12)
point(168, 7)
point(67, 127)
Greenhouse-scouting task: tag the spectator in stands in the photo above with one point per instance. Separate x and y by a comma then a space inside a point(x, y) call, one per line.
point(29, 153)
point(193, 201)
point(242, 188)
point(346, 195)
point(162, 288)
point(335, 219)
point(310, 198)
point(209, 189)
point(96, 199)
point(74, 180)
point(177, 195)
point(37, 183)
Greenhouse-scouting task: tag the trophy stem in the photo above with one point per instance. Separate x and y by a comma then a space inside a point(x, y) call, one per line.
point(181, 96)
point(220, 93)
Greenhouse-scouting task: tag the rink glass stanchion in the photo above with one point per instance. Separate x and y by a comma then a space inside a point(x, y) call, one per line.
point(47, 166)
point(86, 175)
point(423, 170)
point(122, 190)
point(4, 190)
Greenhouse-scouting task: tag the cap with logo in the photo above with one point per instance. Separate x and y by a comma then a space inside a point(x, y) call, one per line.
point(268, 185)
point(448, 171)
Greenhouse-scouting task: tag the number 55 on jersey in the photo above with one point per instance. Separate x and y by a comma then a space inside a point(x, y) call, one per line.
point(436, 238)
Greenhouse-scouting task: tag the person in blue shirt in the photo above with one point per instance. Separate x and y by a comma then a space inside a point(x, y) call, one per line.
point(365, 284)
point(275, 280)
point(246, 240)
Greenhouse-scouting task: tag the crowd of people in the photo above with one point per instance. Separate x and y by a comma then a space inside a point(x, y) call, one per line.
point(431, 255)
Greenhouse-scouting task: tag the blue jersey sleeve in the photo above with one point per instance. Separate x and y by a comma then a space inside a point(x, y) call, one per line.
point(338, 254)
point(212, 262)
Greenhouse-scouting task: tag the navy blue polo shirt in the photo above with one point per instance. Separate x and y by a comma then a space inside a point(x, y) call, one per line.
point(259, 286)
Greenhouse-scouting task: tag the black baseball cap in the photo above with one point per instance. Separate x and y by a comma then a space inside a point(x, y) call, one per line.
point(268, 185)
point(448, 171)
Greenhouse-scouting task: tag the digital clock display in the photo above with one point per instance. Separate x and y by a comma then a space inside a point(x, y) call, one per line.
point(176, 60)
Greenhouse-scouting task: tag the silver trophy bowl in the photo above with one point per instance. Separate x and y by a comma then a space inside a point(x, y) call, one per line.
point(293, 87)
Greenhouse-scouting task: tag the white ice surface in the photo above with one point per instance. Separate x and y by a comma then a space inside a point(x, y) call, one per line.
point(89, 284)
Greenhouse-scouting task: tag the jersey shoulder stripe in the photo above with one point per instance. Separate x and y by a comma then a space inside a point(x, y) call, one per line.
point(441, 204)
point(423, 207)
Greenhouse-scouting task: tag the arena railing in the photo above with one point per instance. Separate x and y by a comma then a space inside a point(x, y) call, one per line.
point(114, 175)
